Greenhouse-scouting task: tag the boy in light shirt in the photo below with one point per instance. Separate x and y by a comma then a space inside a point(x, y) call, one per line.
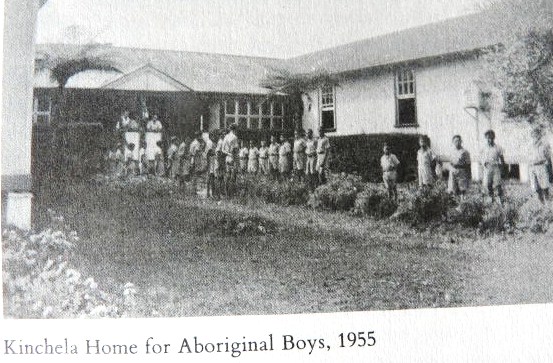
point(273, 157)
point(323, 152)
point(151, 151)
point(253, 159)
point(212, 166)
point(284, 153)
point(230, 149)
point(299, 154)
point(131, 163)
point(158, 160)
point(219, 160)
point(389, 163)
point(172, 161)
point(310, 159)
point(264, 158)
point(493, 160)
point(154, 125)
point(459, 169)
point(426, 160)
point(540, 156)
point(243, 155)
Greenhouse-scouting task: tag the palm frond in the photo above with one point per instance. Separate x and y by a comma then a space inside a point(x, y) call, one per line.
point(65, 62)
point(285, 81)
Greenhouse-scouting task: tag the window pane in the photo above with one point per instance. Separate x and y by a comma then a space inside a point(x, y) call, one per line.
point(288, 124)
point(277, 123)
point(254, 123)
point(243, 122)
point(266, 108)
point(229, 121)
point(242, 107)
point(411, 91)
point(277, 109)
point(230, 107)
point(266, 123)
point(400, 88)
point(327, 121)
point(254, 108)
point(406, 112)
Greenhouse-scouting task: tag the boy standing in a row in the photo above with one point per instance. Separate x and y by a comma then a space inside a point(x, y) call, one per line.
point(493, 160)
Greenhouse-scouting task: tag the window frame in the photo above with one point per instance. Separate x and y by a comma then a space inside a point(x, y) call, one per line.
point(37, 113)
point(254, 111)
point(402, 83)
point(327, 107)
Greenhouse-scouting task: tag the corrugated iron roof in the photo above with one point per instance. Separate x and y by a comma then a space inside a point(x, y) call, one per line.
point(209, 72)
point(455, 35)
point(203, 72)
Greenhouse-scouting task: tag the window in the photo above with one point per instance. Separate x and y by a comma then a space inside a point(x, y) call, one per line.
point(406, 108)
point(42, 107)
point(253, 114)
point(328, 120)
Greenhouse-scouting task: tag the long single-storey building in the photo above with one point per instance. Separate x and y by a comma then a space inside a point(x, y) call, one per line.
point(423, 80)
point(187, 90)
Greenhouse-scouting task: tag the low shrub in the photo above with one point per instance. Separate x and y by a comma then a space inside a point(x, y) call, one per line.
point(469, 213)
point(421, 206)
point(499, 218)
point(286, 192)
point(338, 194)
point(39, 281)
point(374, 201)
point(535, 216)
point(142, 186)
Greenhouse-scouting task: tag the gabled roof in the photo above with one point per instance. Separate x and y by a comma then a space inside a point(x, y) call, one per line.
point(148, 78)
point(451, 36)
point(222, 73)
point(203, 72)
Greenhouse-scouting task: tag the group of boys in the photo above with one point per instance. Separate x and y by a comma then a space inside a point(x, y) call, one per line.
point(224, 158)
point(305, 159)
point(459, 167)
point(124, 160)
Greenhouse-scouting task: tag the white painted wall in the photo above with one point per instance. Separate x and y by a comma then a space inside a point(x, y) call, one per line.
point(17, 105)
point(367, 105)
point(17, 85)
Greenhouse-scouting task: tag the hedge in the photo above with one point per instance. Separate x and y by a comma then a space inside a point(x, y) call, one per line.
point(360, 154)
point(75, 150)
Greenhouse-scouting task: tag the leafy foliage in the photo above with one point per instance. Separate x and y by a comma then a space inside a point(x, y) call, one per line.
point(338, 194)
point(425, 205)
point(295, 85)
point(39, 281)
point(287, 192)
point(499, 218)
point(522, 67)
point(469, 213)
point(373, 201)
point(535, 217)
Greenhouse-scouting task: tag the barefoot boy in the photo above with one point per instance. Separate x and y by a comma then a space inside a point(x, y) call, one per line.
point(389, 163)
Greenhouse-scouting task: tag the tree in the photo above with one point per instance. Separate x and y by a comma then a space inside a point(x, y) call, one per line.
point(66, 61)
point(522, 66)
point(63, 62)
point(295, 86)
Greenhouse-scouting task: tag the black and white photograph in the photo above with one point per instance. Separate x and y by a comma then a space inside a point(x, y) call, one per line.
point(187, 158)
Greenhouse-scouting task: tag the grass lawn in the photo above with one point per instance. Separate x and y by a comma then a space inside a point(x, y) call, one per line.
point(186, 259)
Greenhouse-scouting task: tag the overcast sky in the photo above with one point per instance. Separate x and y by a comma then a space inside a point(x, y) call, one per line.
point(272, 28)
